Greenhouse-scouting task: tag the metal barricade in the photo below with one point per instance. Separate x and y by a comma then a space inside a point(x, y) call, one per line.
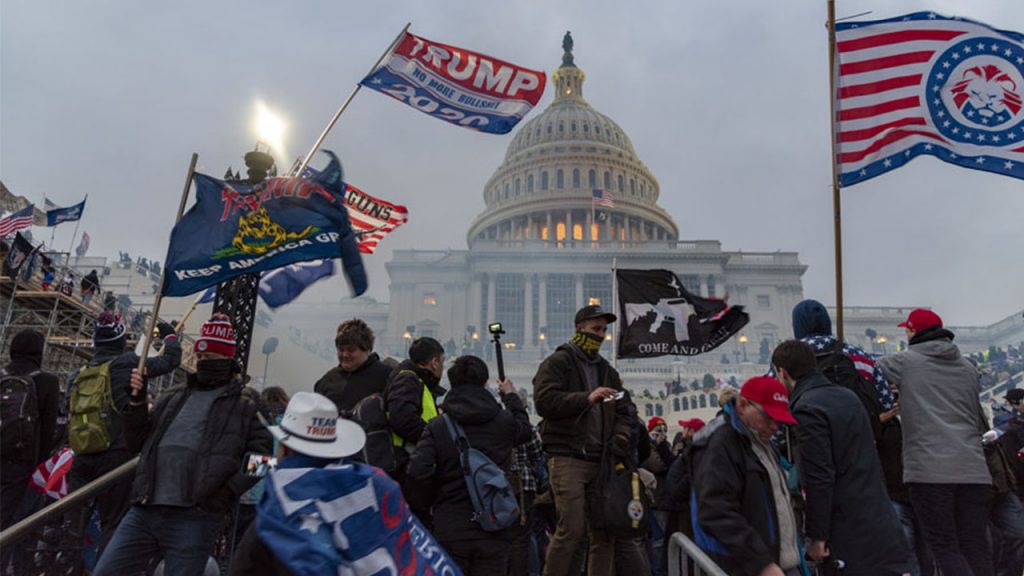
point(686, 559)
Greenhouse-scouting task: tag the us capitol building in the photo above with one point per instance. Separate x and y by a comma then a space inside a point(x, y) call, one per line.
point(540, 250)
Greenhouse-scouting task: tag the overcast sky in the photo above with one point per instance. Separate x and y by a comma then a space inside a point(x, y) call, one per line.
point(726, 102)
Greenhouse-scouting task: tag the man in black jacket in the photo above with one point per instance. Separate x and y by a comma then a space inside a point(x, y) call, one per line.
point(580, 397)
point(435, 476)
point(848, 516)
point(742, 513)
point(412, 394)
point(109, 338)
point(18, 465)
point(190, 470)
point(359, 372)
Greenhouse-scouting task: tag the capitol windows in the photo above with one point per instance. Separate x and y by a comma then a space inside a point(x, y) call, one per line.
point(622, 187)
point(597, 129)
point(544, 180)
point(632, 186)
point(607, 180)
point(529, 183)
point(517, 186)
point(560, 232)
point(430, 299)
point(586, 128)
point(592, 179)
point(573, 126)
point(561, 307)
point(561, 128)
point(577, 232)
point(560, 179)
point(675, 404)
point(543, 232)
point(549, 129)
point(506, 190)
point(576, 178)
point(764, 301)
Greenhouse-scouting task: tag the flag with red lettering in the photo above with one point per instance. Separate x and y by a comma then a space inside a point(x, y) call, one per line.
point(465, 88)
point(927, 84)
point(372, 218)
point(344, 518)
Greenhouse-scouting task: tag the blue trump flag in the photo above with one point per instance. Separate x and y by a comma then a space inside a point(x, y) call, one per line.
point(236, 228)
point(281, 286)
point(345, 518)
point(69, 214)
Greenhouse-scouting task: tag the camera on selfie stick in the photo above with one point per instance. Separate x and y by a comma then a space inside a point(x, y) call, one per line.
point(496, 330)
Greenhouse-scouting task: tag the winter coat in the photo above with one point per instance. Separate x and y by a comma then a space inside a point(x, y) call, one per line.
point(90, 283)
point(435, 475)
point(404, 396)
point(346, 389)
point(121, 365)
point(940, 411)
point(27, 357)
point(232, 430)
point(736, 518)
point(254, 558)
point(560, 393)
point(659, 463)
point(842, 479)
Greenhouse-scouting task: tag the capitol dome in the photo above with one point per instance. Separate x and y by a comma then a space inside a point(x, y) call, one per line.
point(557, 162)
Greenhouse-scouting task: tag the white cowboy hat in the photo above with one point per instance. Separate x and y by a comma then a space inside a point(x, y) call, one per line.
point(311, 426)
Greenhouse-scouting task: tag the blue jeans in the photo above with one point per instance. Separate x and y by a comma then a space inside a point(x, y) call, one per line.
point(184, 538)
point(919, 555)
point(1007, 524)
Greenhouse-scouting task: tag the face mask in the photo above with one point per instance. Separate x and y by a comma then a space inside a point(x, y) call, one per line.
point(589, 343)
point(215, 371)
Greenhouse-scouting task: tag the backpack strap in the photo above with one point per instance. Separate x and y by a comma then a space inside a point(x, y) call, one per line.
point(458, 437)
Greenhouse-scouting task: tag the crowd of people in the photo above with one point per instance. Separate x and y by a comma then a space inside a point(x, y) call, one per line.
point(836, 462)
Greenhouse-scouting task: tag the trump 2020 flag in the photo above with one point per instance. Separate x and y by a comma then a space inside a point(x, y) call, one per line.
point(372, 218)
point(345, 518)
point(281, 286)
point(237, 228)
point(465, 88)
point(927, 84)
point(659, 317)
point(56, 216)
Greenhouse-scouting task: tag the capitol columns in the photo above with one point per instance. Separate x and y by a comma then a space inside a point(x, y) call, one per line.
point(578, 281)
point(542, 301)
point(475, 295)
point(568, 227)
point(528, 310)
point(490, 300)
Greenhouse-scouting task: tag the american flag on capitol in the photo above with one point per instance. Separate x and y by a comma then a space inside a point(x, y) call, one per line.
point(601, 197)
point(17, 221)
point(928, 84)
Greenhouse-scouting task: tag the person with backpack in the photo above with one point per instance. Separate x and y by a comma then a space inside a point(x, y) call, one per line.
point(944, 462)
point(411, 398)
point(360, 371)
point(190, 471)
point(99, 394)
point(30, 405)
point(848, 516)
point(474, 518)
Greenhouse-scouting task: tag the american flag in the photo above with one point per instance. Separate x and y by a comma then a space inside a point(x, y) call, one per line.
point(601, 197)
point(372, 218)
point(51, 477)
point(18, 221)
point(928, 84)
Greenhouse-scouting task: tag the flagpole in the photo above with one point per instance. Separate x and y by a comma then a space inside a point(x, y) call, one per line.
point(344, 105)
point(837, 205)
point(75, 233)
point(618, 311)
point(163, 272)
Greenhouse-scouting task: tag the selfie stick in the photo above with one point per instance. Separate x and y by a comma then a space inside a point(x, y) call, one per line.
point(497, 354)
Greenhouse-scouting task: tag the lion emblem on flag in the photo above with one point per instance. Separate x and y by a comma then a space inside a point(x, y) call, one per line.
point(988, 92)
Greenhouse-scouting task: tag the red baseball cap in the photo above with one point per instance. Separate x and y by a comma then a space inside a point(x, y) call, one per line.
point(921, 319)
point(771, 395)
point(694, 424)
point(656, 421)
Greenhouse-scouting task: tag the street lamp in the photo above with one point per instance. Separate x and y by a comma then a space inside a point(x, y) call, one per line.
point(409, 331)
point(743, 341)
point(882, 340)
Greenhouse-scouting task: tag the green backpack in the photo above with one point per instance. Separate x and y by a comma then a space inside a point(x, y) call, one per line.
point(91, 410)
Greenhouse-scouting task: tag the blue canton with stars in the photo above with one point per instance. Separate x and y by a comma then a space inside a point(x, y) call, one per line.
point(885, 395)
point(1000, 132)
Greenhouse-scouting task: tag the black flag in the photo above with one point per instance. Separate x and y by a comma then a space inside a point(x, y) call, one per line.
point(21, 250)
point(659, 317)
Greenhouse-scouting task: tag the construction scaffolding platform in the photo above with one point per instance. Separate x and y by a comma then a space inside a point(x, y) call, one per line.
point(66, 322)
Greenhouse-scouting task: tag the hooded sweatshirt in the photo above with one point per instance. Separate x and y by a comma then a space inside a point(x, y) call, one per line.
point(940, 411)
point(27, 358)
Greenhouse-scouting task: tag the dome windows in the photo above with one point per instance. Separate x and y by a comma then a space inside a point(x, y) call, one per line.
point(622, 187)
point(544, 180)
point(560, 179)
point(529, 183)
point(592, 179)
point(517, 187)
point(575, 177)
point(607, 180)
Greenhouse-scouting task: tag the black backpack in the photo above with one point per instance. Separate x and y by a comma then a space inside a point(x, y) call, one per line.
point(840, 369)
point(372, 414)
point(19, 411)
